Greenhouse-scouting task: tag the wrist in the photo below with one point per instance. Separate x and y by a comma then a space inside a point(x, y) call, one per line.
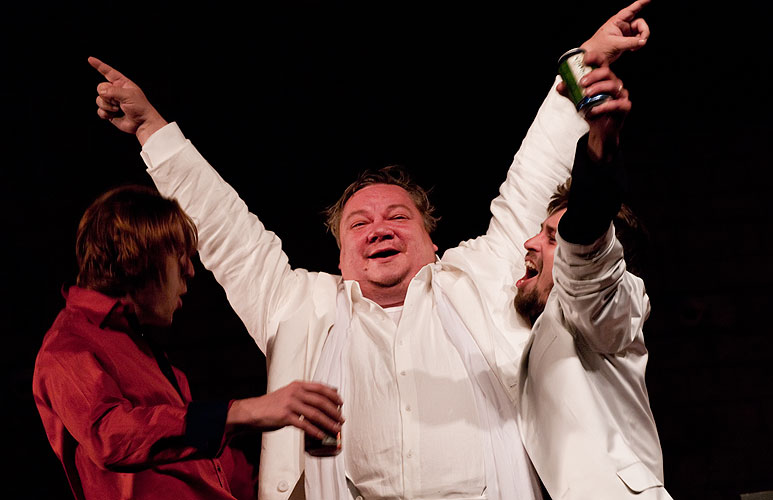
point(149, 127)
point(236, 414)
point(588, 46)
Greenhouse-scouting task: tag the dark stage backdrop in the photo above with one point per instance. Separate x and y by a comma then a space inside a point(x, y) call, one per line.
point(290, 101)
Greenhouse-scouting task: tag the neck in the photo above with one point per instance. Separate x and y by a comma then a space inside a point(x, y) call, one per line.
point(385, 296)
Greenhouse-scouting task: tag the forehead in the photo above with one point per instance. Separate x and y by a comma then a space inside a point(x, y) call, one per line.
point(378, 197)
point(552, 220)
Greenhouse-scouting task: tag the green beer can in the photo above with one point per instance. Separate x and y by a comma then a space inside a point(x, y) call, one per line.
point(572, 67)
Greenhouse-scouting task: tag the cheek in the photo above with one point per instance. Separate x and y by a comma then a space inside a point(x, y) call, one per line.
point(348, 263)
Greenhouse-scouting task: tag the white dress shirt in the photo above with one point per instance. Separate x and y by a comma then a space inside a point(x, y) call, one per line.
point(412, 429)
point(409, 404)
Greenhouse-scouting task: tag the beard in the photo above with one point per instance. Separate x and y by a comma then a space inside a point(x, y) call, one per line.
point(529, 305)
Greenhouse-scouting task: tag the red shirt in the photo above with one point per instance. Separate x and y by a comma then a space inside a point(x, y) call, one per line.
point(113, 418)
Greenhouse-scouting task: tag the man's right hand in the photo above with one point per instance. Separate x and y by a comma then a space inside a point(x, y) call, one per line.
point(310, 406)
point(122, 103)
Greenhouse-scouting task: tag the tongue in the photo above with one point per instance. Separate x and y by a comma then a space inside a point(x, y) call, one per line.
point(526, 277)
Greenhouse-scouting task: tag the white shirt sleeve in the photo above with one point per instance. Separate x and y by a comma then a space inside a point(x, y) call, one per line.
point(543, 161)
point(600, 301)
point(245, 258)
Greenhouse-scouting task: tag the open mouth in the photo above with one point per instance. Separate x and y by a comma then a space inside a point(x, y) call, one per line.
point(531, 272)
point(383, 254)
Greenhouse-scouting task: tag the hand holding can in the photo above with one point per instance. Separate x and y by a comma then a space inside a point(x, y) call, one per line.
point(572, 67)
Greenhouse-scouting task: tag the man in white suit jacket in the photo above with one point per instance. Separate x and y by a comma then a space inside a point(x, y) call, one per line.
point(420, 348)
point(584, 411)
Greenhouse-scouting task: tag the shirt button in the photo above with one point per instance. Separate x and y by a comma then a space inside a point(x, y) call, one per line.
point(410, 454)
point(283, 486)
point(402, 373)
point(408, 408)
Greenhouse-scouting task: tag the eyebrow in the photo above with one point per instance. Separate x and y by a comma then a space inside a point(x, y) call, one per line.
point(551, 230)
point(389, 208)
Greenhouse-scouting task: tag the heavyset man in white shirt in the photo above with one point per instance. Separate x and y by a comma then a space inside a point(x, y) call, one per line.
point(424, 351)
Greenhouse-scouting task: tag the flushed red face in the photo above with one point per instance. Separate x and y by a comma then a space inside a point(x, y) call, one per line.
point(534, 287)
point(156, 303)
point(384, 242)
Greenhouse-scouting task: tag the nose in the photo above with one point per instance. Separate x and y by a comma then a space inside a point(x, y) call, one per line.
point(187, 267)
point(380, 232)
point(532, 243)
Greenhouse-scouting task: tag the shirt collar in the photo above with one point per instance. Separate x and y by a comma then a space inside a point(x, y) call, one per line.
point(99, 309)
point(354, 294)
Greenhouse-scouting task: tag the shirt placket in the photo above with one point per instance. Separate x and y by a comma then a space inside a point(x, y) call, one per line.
point(220, 474)
point(405, 371)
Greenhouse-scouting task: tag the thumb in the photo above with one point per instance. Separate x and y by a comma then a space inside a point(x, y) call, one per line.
point(561, 88)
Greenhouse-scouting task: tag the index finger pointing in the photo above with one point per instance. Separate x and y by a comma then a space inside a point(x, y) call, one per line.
point(107, 71)
point(630, 12)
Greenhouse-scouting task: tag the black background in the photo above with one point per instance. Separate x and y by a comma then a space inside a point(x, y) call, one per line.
point(290, 101)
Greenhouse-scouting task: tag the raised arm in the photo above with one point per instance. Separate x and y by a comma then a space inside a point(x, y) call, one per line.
point(604, 304)
point(546, 155)
point(245, 258)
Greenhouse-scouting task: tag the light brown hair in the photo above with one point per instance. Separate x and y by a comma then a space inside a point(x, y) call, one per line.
point(125, 236)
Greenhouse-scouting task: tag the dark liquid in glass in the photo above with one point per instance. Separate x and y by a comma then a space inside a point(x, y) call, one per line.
point(328, 446)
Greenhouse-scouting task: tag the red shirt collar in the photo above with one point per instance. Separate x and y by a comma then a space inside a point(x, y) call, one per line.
point(99, 309)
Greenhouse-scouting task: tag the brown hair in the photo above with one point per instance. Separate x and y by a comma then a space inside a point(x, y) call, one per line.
point(560, 197)
point(392, 174)
point(124, 237)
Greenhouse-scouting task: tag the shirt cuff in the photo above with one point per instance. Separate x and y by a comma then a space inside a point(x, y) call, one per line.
point(205, 426)
point(162, 145)
point(577, 254)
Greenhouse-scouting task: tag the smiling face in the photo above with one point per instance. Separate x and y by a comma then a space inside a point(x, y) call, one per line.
point(535, 286)
point(156, 302)
point(384, 242)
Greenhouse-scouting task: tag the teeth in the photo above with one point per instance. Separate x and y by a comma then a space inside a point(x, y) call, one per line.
point(531, 266)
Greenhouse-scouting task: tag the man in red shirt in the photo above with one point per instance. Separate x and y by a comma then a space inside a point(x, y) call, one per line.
point(117, 414)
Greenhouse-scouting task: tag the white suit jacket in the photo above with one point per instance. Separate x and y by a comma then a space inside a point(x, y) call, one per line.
point(289, 311)
point(584, 411)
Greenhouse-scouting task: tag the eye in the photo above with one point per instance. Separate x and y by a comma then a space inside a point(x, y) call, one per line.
point(399, 217)
point(357, 224)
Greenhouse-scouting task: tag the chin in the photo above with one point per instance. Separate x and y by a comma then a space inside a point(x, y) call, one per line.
point(162, 321)
point(387, 279)
point(529, 304)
